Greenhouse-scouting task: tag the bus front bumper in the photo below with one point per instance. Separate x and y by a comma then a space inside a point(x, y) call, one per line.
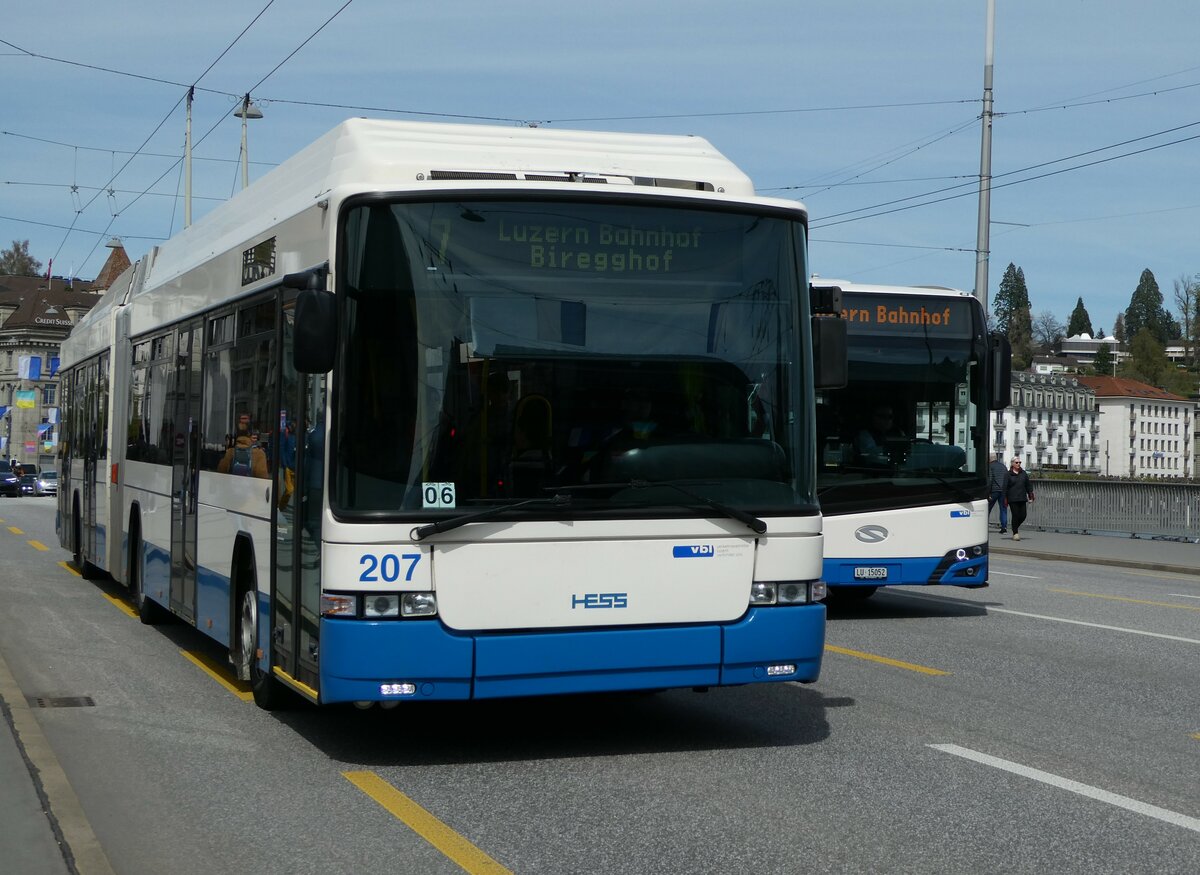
point(402, 660)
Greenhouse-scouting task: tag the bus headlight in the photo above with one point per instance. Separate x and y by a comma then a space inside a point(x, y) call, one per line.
point(418, 604)
point(787, 592)
point(762, 593)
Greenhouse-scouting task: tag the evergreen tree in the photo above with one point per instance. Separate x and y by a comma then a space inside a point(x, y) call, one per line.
point(18, 262)
point(1020, 336)
point(1119, 331)
point(1080, 322)
point(1148, 360)
point(1013, 315)
point(1146, 311)
point(1011, 296)
point(1103, 364)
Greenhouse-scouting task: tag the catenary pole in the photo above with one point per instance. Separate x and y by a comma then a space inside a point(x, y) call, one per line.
point(187, 163)
point(985, 166)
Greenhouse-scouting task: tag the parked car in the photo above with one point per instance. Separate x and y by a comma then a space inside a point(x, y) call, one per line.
point(47, 483)
point(10, 483)
point(29, 484)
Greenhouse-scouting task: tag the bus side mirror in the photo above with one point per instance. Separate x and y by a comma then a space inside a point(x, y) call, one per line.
point(999, 371)
point(830, 367)
point(314, 343)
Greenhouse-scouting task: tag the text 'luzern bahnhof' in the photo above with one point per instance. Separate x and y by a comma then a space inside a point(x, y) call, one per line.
point(608, 248)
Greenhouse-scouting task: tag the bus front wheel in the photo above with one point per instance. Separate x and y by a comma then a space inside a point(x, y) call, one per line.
point(268, 692)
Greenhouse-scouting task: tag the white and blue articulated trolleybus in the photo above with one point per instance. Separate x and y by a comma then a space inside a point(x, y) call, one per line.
point(902, 448)
point(448, 412)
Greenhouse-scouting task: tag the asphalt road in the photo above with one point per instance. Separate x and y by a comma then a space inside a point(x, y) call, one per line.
point(1050, 723)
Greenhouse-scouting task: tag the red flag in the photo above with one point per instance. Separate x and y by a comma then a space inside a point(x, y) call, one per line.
point(49, 268)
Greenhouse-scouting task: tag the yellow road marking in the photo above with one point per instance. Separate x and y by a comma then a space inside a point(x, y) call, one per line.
point(37, 545)
point(1196, 735)
point(1121, 598)
point(217, 672)
point(123, 606)
point(67, 565)
point(1160, 575)
point(883, 659)
point(424, 824)
point(15, 530)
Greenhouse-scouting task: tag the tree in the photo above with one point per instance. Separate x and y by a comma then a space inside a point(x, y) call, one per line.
point(1148, 360)
point(1146, 311)
point(1011, 307)
point(18, 262)
point(1187, 299)
point(1119, 331)
point(1012, 296)
point(1080, 322)
point(1047, 330)
point(1104, 360)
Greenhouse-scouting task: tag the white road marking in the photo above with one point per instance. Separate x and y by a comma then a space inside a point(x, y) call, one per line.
point(994, 610)
point(1010, 574)
point(1181, 595)
point(990, 609)
point(1165, 815)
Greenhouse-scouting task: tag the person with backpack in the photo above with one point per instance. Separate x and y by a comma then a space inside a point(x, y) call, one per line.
point(1018, 492)
point(245, 457)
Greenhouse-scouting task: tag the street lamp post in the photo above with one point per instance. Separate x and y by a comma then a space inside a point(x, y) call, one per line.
point(246, 110)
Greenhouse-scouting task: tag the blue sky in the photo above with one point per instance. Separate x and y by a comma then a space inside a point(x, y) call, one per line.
point(862, 109)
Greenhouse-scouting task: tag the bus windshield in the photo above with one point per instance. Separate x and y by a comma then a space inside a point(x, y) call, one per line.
point(909, 428)
point(494, 351)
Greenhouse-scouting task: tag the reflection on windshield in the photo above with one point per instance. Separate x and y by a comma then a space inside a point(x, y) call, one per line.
point(907, 429)
point(494, 352)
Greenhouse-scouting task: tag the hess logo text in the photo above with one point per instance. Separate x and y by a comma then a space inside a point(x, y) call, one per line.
point(592, 600)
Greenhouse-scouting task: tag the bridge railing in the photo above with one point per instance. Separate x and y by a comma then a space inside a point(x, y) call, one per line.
point(1151, 510)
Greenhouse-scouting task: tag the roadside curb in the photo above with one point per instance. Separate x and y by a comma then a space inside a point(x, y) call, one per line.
point(65, 817)
point(1095, 560)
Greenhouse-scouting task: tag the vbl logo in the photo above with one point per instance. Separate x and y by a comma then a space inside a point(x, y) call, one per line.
point(600, 600)
point(694, 551)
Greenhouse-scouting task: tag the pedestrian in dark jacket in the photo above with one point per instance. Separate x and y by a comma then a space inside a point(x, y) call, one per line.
point(996, 474)
point(1018, 492)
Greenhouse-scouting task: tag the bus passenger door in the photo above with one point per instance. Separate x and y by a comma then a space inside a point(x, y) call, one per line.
point(299, 449)
point(185, 471)
point(91, 448)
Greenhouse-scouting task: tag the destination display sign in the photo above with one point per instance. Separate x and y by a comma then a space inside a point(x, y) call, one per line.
point(906, 315)
point(593, 240)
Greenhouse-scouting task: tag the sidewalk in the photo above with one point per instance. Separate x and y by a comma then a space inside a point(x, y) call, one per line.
point(1176, 557)
point(43, 830)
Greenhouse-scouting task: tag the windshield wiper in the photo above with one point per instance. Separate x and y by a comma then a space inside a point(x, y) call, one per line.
point(421, 532)
point(725, 510)
point(962, 494)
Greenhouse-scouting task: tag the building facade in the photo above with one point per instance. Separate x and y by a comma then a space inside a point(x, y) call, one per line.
point(36, 313)
point(1052, 424)
point(1144, 431)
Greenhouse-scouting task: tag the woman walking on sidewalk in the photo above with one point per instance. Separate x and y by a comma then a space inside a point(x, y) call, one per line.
point(1018, 492)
